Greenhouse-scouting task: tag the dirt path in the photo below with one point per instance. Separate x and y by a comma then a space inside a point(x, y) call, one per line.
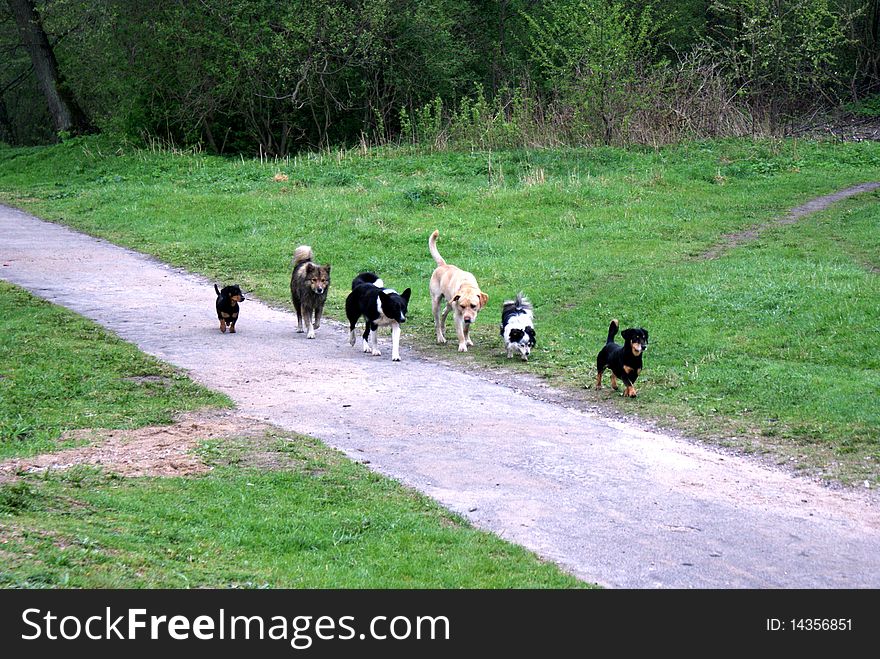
point(611, 503)
point(732, 240)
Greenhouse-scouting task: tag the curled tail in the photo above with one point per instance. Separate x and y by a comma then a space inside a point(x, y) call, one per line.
point(432, 245)
point(612, 330)
point(302, 254)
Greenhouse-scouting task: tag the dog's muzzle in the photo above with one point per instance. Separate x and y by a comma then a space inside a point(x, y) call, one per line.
point(319, 291)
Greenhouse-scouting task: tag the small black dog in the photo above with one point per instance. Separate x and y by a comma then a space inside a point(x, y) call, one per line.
point(379, 306)
point(624, 361)
point(227, 306)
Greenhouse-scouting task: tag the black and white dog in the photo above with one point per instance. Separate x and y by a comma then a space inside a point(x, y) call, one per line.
point(380, 307)
point(518, 326)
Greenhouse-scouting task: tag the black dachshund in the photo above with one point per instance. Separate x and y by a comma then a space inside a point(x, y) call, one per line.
point(227, 306)
point(625, 361)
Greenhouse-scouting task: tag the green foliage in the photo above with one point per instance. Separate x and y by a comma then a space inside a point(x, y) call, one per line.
point(868, 107)
point(780, 53)
point(269, 79)
point(591, 52)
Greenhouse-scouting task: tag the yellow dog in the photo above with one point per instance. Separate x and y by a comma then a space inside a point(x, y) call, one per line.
point(462, 294)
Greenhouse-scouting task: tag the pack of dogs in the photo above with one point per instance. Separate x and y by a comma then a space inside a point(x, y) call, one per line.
point(452, 290)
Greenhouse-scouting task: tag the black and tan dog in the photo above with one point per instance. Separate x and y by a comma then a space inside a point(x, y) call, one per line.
point(227, 306)
point(625, 361)
point(309, 283)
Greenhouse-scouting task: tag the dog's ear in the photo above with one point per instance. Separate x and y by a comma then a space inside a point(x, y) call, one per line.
point(516, 335)
point(628, 334)
point(645, 332)
point(310, 268)
point(327, 267)
point(405, 295)
point(531, 332)
point(455, 299)
point(484, 299)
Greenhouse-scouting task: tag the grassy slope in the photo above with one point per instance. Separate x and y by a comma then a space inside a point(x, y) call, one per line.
point(278, 511)
point(755, 348)
point(60, 372)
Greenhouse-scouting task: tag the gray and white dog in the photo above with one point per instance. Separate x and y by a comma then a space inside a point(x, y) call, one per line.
point(309, 283)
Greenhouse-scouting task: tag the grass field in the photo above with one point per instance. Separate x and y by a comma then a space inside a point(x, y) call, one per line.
point(62, 373)
point(277, 510)
point(773, 347)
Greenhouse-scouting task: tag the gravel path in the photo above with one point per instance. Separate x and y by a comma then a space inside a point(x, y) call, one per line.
point(613, 504)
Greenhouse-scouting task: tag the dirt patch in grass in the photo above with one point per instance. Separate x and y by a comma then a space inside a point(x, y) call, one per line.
point(732, 240)
point(151, 451)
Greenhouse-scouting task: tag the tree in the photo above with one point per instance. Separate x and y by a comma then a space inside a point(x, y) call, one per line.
point(65, 112)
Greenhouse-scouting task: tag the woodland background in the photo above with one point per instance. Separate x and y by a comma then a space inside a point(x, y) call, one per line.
point(273, 78)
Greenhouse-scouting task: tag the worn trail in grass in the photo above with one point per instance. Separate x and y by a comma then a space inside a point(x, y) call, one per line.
point(613, 504)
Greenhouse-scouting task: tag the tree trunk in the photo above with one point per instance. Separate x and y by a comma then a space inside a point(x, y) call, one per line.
point(66, 114)
point(6, 134)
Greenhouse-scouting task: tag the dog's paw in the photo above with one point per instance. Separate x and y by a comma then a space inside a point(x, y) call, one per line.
point(377, 353)
point(395, 358)
point(299, 330)
point(310, 335)
point(462, 347)
point(441, 339)
point(223, 328)
point(367, 347)
point(469, 342)
point(232, 330)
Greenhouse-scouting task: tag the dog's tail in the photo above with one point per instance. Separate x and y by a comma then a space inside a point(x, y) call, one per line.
point(217, 289)
point(521, 303)
point(302, 254)
point(432, 245)
point(612, 330)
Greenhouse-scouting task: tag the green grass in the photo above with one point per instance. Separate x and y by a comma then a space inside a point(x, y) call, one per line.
point(278, 510)
point(320, 522)
point(773, 347)
point(62, 372)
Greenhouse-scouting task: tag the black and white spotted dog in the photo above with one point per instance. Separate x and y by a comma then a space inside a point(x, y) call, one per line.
point(518, 326)
point(380, 307)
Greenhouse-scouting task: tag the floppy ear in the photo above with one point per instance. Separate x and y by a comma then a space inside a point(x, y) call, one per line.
point(405, 295)
point(455, 299)
point(483, 299)
point(516, 335)
point(627, 334)
point(646, 334)
point(531, 333)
